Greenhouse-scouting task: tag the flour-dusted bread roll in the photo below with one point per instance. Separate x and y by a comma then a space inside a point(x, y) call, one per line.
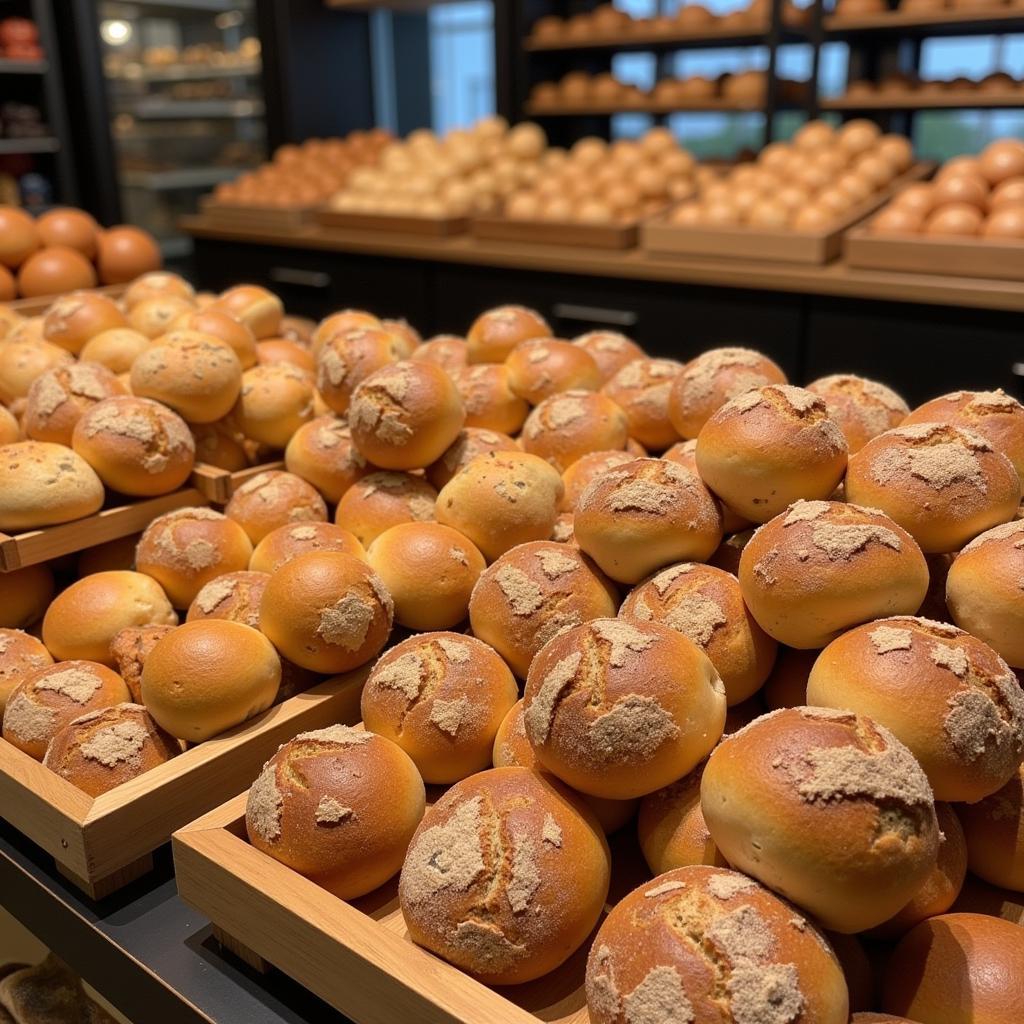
point(383, 499)
point(43, 483)
point(128, 652)
point(642, 389)
point(861, 408)
point(471, 442)
point(60, 397)
point(275, 400)
point(568, 426)
point(20, 655)
point(488, 398)
point(288, 542)
point(541, 367)
point(345, 358)
point(259, 309)
point(322, 453)
point(73, 320)
point(585, 470)
point(610, 350)
point(494, 334)
point(222, 325)
point(272, 499)
point(236, 596)
point(24, 358)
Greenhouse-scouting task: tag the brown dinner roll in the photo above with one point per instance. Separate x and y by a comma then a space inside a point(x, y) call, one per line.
point(533, 592)
point(878, 1018)
point(488, 399)
point(685, 454)
point(562, 531)
point(942, 483)
point(20, 656)
point(411, 338)
point(51, 697)
point(73, 320)
point(327, 612)
point(129, 650)
point(58, 399)
point(158, 282)
point(287, 542)
point(585, 470)
point(115, 349)
point(429, 570)
point(341, 323)
point(728, 554)
point(994, 833)
point(82, 620)
point(345, 359)
point(541, 367)
point(322, 453)
point(10, 428)
point(153, 315)
point(620, 709)
point(278, 350)
point(22, 360)
point(946, 695)
point(505, 877)
point(471, 442)
point(610, 350)
point(447, 350)
point(274, 402)
point(338, 805)
point(822, 567)
point(641, 389)
point(861, 408)
point(235, 596)
point(222, 325)
point(786, 687)
point(383, 499)
point(260, 310)
point(495, 333)
point(220, 444)
point(101, 749)
point(704, 943)
point(183, 550)
point(441, 698)
point(208, 676)
point(713, 378)
point(567, 426)
point(271, 499)
point(645, 515)
point(828, 809)
point(43, 483)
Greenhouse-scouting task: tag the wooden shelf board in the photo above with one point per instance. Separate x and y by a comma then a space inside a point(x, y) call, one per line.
point(948, 22)
point(960, 99)
point(752, 35)
point(647, 107)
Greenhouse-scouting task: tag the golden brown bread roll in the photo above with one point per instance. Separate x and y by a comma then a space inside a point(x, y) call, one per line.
point(383, 499)
point(158, 282)
point(279, 350)
point(43, 483)
point(260, 310)
point(222, 325)
point(73, 320)
point(58, 399)
point(488, 398)
point(642, 389)
point(234, 595)
point(447, 350)
point(542, 367)
point(322, 453)
point(274, 402)
point(684, 453)
point(861, 408)
point(341, 323)
point(287, 542)
point(786, 687)
point(22, 360)
point(129, 650)
point(585, 470)
point(610, 350)
point(567, 426)
point(494, 334)
point(220, 444)
point(20, 656)
point(994, 833)
point(153, 315)
point(10, 428)
point(25, 595)
point(346, 358)
point(272, 499)
point(410, 338)
point(471, 442)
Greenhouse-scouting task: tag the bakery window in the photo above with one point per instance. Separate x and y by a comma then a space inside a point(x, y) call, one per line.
point(461, 63)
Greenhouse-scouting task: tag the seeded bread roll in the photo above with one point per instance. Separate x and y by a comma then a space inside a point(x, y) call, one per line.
point(22, 360)
point(827, 808)
point(341, 323)
point(786, 687)
point(338, 805)
point(645, 515)
point(383, 499)
point(706, 605)
point(272, 499)
point(610, 350)
point(58, 399)
point(73, 320)
point(116, 349)
point(619, 709)
point(20, 656)
point(159, 282)
point(994, 833)
point(505, 877)
point(713, 378)
point(542, 367)
point(704, 943)
point(822, 567)
point(222, 325)
point(322, 453)
point(500, 500)
point(288, 542)
point(129, 650)
point(534, 592)
point(185, 549)
point(488, 398)
point(495, 333)
point(235, 596)
point(861, 408)
point(42, 484)
point(471, 442)
point(25, 595)
point(641, 389)
point(260, 310)
point(943, 484)
point(946, 695)
point(274, 402)
point(47, 700)
point(570, 425)
point(82, 620)
point(345, 359)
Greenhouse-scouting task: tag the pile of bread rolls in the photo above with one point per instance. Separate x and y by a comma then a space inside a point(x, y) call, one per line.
point(899, 84)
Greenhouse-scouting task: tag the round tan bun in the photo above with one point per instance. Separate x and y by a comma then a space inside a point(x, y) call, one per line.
point(714, 945)
point(257, 308)
point(447, 350)
point(58, 399)
point(235, 596)
point(542, 367)
point(101, 749)
point(10, 428)
point(52, 697)
point(441, 698)
point(430, 571)
point(645, 515)
point(957, 969)
point(861, 408)
point(20, 656)
point(322, 453)
point(115, 349)
point(25, 595)
point(271, 499)
point(288, 542)
point(471, 442)
point(533, 592)
point(383, 499)
point(75, 319)
point(942, 483)
point(341, 323)
point(769, 447)
point(822, 567)
point(22, 361)
point(585, 470)
point(197, 375)
point(411, 338)
point(705, 604)
point(154, 315)
point(338, 805)
point(344, 360)
point(221, 445)
point(828, 809)
point(459, 898)
point(327, 612)
point(713, 378)
point(569, 425)
point(619, 709)
point(642, 389)
point(994, 832)
point(274, 402)
point(280, 350)
point(786, 687)
point(610, 350)
point(129, 650)
point(183, 550)
point(159, 282)
point(495, 333)
point(42, 484)
point(488, 399)
point(221, 325)
point(500, 500)
point(685, 454)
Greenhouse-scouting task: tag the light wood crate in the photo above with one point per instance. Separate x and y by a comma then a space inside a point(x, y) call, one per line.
point(273, 218)
point(405, 224)
point(594, 236)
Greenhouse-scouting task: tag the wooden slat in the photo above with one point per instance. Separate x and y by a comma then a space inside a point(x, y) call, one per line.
point(273, 218)
point(596, 236)
point(912, 99)
point(407, 225)
point(212, 482)
point(950, 18)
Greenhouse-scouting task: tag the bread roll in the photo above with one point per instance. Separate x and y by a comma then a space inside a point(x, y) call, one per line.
point(822, 567)
point(861, 408)
point(567, 426)
point(25, 595)
point(471, 442)
point(684, 453)
point(994, 833)
point(447, 350)
point(383, 499)
point(411, 338)
point(322, 453)
point(10, 428)
point(642, 389)
point(278, 350)
point(272, 499)
point(222, 325)
point(153, 316)
point(235, 596)
point(344, 360)
point(42, 484)
point(610, 350)
point(505, 877)
point(73, 320)
point(827, 808)
point(159, 282)
point(22, 360)
point(260, 310)
point(58, 399)
point(339, 806)
point(341, 323)
point(220, 444)
point(287, 542)
point(129, 650)
point(49, 993)
point(274, 402)
point(488, 398)
point(585, 470)
point(542, 367)
point(494, 334)
point(20, 656)
point(786, 687)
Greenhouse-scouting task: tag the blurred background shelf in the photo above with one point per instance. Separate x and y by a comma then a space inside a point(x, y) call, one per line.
point(662, 41)
point(23, 67)
point(947, 23)
point(960, 99)
point(180, 110)
point(713, 104)
point(17, 147)
point(182, 177)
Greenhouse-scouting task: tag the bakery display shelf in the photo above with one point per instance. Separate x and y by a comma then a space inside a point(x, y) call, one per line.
point(915, 23)
point(404, 223)
point(910, 99)
point(180, 177)
point(179, 110)
point(285, 218)
point(649, 106)
point(17, 147)
point(644, 39)
point(186, 72)
point(539, 232)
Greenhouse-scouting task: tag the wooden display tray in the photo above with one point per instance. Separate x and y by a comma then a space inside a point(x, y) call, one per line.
point(914, 99)
point(944, 22)
point(212, 482)
point(271, 217)
point(103, 843)
point(595, 236)
point(406, 224)
point(39, 304)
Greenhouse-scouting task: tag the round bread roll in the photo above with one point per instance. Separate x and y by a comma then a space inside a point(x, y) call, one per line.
point(447, 350)
point(274, 402)
point(197, 375)
point(610, 350)
point(642, 389)
point(957, 969)
point(942, 483)
point(861, 408)
point(410, 337)
point(58, 399)
point(868, 1017)
point(713, 378)
point(994, 833)
point(10, 428)
point(705, 605)
point(441, 698)
point(322, 453)
point(129, 650)
point(209, 676)
point(828, 809)
point(380, 500)
point(278, 350)
point(76, 318)
point(52, 697)
point(505, 877)
point(221, 445)
point(495, 333)
point(341, 323)
point(768, 447)
point(25, 595)
point(219, 324)
point(488, 399)
point(136, 446)
point(704, 943)
point(500, 500)
point(101, 749)
point(22, 360)
point(429, 570)
point(235, 596)
point(786, 687)
point(288, 542)
point(562, 531)
point(534, 592)
point(83, 619)
point(154, 315)
point(338, 805)
point(822, 567)
point(43, 483)
point(585, 470)
point(271, 499)
point(20, 656)
point(471, 442)
point(260, 310)
point(158, 282)
point(327, 612)
point(569, 425)
point(619, 709)
point(947, 696)
point(345, 359)
point(684, 453)
point(645, 515)
point(541, 367)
